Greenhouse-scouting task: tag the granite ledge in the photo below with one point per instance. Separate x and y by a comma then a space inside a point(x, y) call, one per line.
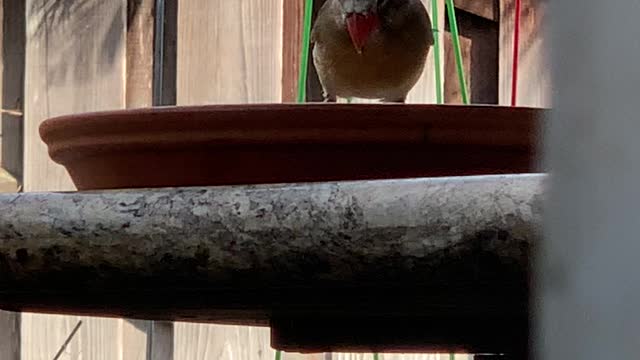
point(256, 254)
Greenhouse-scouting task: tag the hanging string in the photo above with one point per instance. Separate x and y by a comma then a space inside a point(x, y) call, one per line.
point(304, 55)
point(453, 25)
point(436, 50)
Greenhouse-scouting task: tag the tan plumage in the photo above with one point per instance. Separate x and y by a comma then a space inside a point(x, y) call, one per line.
point(392, 59)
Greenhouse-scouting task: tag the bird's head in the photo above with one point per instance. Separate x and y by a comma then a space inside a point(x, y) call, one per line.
point(361, 18)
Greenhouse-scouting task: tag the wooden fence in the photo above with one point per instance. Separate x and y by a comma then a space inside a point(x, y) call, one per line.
point(60, 57)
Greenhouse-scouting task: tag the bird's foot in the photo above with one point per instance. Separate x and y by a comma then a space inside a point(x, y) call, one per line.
point(329, 99)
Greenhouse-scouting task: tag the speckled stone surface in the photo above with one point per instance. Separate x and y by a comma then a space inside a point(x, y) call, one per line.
point(171, 253)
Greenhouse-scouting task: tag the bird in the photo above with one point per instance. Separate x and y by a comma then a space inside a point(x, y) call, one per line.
point(370, 49)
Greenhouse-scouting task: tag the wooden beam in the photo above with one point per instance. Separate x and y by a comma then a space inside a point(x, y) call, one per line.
point(488, 9)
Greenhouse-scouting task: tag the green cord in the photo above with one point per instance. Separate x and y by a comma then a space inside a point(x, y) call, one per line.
point(304, 56)
point(436, 50)
point(376, 356)
point(278, 355)
point(453, 25)
point(452, 357)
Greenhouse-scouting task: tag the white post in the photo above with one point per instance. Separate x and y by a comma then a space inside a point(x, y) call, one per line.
point(588, 268)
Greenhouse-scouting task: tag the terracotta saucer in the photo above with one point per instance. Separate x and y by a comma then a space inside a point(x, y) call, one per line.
point(248, 144)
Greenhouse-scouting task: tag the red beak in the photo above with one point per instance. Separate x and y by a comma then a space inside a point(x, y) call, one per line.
point(360, 27)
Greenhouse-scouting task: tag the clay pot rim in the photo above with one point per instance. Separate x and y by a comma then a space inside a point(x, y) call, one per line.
point(187, 127)
point(449, 112)
point(259, 107)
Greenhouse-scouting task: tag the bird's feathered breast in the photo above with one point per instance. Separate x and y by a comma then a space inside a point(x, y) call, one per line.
point(400, 17)
point(391, 60)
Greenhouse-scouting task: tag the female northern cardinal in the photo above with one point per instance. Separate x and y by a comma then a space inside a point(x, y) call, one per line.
point(371, 49)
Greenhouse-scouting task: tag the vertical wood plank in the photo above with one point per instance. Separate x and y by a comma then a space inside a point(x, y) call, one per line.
point(12, 83)
point(534, 77)
point(43, 336)
point(293, 13)
point(139, 50)
point(8, 183)
point(229, 51)
point(75, 62)
point(195, 341)
point(135, 339)
point(9, 336)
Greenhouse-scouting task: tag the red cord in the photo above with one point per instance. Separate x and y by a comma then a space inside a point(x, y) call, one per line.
point(516, 50)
